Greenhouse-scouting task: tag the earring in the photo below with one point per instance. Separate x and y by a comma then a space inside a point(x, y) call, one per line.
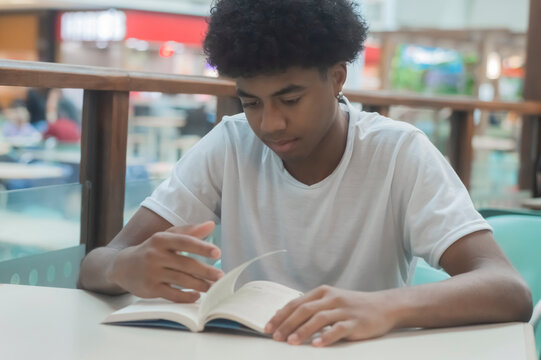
point(340, 96)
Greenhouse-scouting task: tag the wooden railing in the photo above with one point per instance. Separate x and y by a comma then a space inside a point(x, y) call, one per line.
point(105, 126)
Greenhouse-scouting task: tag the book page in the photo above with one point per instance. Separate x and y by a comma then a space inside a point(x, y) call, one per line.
point(225, 287)
point(189, 315)
point(160, 309)
point(254, 304)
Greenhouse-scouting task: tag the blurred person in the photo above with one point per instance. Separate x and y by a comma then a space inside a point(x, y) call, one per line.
point(63, 130)
point(47, 105)
point(353, 196)
point(18, 122)
point(197, 122)
point(61, 119)
point(36, 104)
point(59, 106)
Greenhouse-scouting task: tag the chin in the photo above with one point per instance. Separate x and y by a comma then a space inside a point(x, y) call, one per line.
point(292, 157)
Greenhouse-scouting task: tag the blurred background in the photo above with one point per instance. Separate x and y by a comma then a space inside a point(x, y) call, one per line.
point(474, 48)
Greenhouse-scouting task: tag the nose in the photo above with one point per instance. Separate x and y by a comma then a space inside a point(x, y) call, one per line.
point(272, 120)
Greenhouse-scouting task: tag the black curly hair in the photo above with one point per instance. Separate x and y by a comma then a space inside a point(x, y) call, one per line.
point(256, 37)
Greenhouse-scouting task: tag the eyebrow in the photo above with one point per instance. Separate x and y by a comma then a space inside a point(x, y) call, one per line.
point(288, 89)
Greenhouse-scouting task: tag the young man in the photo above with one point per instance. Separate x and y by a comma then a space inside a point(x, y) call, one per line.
point(352, 196)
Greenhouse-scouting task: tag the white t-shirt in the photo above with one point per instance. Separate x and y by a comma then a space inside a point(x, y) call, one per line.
point(393, 196)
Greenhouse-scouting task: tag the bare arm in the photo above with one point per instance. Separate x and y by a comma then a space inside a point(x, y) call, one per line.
point(485, 288)
point(144, 259)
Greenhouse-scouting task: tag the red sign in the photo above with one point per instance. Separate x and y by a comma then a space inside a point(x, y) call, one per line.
point(148, 26)
point(184, 29)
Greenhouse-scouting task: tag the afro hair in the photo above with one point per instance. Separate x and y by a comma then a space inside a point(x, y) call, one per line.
point(254, 37)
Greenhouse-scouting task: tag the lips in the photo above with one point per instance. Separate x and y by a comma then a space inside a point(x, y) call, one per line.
point(283, 145)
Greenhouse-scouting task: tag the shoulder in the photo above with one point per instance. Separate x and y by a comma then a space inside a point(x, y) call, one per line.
point(379, 133)
point(374, 124)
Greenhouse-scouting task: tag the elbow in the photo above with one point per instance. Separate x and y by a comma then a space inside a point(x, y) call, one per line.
point(522, 302)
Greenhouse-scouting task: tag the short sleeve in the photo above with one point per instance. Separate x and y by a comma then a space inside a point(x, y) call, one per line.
point(431, 204)
point(193, 191)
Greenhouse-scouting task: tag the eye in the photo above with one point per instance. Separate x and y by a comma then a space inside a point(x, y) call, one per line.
point(250, 104)
point(291, 101)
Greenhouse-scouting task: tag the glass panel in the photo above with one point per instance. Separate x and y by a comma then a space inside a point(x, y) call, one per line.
point(162, 127)
point(39, 236)
point(136, 192)
point(37, 220)
point(59, 268)
point(496, 162)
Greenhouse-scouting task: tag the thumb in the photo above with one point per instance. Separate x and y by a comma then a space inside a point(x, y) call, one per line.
point(201, 230)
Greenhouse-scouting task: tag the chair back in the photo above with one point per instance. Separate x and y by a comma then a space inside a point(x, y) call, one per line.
point(425, 273)
point(519, 236)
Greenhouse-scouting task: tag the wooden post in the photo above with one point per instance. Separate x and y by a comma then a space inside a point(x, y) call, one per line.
point(388, 45)
point(537, 156)
point(380, 109)
point(227, 105)
point(529, 152)
point(103, 165)
point(460, 144)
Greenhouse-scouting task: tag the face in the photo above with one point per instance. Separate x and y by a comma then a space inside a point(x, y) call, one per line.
point(294, 113)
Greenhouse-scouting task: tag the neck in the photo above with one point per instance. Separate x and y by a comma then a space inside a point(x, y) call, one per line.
point(325, 159)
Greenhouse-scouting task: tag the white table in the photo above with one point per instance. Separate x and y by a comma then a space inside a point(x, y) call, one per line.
point(32, 231)
point(50, 323)
point(4, 148)
point(9, 170)
point(54, 155)
point(162, 130)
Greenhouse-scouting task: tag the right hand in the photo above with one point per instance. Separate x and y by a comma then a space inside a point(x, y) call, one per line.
point(149, 269)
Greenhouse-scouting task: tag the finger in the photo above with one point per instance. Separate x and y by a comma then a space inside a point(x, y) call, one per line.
point(167, 292)
point(314, 324)
point(192, 267)
point(338, 331)
point(282, 314)
point(186, 243)
point(299, 316)
point(184, 280)
point(200, 231)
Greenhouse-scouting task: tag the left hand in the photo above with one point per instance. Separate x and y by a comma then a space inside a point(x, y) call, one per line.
point(347, 314)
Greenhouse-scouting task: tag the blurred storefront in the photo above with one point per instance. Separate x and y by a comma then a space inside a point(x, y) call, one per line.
point(162, 126)
point(133, 40)
point(30, 44)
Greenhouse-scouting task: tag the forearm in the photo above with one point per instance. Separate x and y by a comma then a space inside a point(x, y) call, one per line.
point(96, 271)
point(474, 297)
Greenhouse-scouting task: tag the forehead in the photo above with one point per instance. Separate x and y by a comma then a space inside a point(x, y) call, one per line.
point(267, 85)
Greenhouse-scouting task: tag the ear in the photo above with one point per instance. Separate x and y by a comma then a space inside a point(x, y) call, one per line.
point(338, 74)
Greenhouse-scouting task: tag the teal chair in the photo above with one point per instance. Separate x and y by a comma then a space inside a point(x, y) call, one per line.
point(489, 212)
point(519, 236)
point(425, 273)
point(518, 233)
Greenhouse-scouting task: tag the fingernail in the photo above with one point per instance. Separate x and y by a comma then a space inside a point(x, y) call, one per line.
point(219, 274)
point(317, 341)
point(268, 328)
point(293, 339)
point(215, 253)
point(277, 336)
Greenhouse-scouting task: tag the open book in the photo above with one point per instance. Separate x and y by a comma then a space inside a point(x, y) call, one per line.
point(247, 309)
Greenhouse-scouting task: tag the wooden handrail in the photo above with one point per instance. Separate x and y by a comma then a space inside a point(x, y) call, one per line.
point(455, 102)
point(53, 75)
